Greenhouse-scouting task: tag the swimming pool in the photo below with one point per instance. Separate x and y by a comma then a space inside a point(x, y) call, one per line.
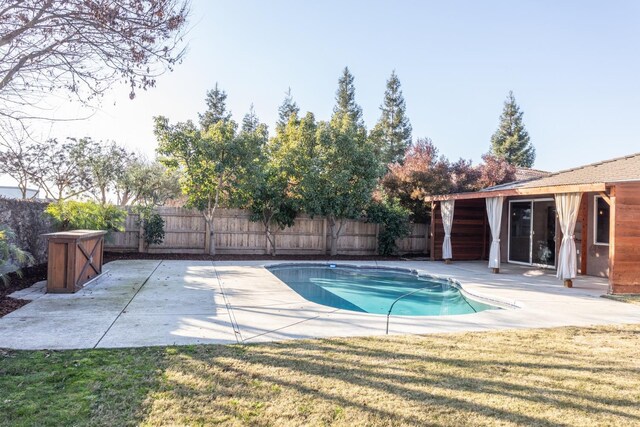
point(374, 290)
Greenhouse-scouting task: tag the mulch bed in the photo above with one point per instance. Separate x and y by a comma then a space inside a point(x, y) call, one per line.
point(30, 275)
point(36, 273)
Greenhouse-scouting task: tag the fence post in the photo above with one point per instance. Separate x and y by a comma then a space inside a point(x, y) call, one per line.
point(324, 235)
point(141, 247)
point(377, 234)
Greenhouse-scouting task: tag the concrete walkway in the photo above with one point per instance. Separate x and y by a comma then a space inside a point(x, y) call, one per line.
point(146, 303)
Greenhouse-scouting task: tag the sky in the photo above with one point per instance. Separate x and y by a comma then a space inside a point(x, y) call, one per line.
point(574, 68)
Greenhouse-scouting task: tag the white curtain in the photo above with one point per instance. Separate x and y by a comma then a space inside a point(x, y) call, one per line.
point(446, 209)
point(494, 213)
point(567, 206)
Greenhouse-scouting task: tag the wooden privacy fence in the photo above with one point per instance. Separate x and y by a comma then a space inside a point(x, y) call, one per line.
point(185, 232)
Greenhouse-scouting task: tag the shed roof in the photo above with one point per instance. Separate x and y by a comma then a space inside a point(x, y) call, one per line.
point(591, 177)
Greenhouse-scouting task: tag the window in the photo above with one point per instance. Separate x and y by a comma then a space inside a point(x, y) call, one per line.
point(601, 208)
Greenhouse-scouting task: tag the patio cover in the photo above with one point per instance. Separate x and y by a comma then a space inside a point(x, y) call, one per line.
point(567, 206)
point(446, 210)
point(494, 214)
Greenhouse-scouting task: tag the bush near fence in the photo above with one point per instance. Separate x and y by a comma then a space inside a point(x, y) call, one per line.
point(185, 232)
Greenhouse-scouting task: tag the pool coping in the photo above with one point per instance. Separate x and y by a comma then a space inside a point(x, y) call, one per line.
point(498, 303)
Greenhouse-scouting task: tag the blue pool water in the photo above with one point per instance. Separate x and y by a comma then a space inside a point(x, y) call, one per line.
point(374, 290)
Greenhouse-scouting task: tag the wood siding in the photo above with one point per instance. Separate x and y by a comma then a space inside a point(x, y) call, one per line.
point(234, 233)
point(624, 240)
point(470, 235)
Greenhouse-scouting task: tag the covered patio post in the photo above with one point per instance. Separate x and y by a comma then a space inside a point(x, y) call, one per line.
point(494, 213)
point(446, 210)
point(568, 207)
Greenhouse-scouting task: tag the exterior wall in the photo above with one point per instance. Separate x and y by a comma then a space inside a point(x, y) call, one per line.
point(597, 255)
point(470, 234)
point(624, 248)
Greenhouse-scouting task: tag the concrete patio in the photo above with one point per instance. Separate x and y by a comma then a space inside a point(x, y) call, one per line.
point(148, 303)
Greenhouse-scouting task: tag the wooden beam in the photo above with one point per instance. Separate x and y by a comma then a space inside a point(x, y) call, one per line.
point(605, 197)
point(584, 215)
point(529, 191)
point(612, 239)
point(432, 237)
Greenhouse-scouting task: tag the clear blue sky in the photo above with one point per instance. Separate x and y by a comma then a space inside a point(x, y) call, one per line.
point(574, 67)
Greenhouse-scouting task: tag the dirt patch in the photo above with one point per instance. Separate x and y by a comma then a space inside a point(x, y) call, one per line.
point(30, 275)
point(7, 305)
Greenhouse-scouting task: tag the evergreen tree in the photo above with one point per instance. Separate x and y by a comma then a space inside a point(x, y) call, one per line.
point(286, 110)
point(250, 121)
point(216, 108)
point(346, 99)
point(392, 133)
point(511, 139)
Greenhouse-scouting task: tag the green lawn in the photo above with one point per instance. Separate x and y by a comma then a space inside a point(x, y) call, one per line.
point(566, 376)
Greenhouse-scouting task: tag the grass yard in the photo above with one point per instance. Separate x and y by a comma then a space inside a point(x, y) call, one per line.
point(566, 376)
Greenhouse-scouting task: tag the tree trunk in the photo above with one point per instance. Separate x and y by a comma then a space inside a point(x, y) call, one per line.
point(212, 240)
point(335, 233)
point(271, 239)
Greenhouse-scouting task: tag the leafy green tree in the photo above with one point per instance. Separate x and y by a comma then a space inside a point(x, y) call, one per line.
point(341, 167)
point(214, 161)
point(511, 140)
point(272, 201)
point(346, 104)
point(287, 109)
point(394, 219)
point(393, 130)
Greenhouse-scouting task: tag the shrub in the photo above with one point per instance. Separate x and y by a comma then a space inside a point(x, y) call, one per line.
point(394, 219)
point(152, 225)
point(75, 215)
point(153, 229)
point(10, 252)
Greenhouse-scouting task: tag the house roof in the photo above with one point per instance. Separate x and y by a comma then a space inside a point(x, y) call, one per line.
point(591, 177)
point(528, 173)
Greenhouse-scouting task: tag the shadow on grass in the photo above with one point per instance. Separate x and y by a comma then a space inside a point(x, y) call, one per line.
point(567, 376)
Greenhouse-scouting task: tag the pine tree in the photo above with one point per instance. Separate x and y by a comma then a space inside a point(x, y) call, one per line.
point(216, 108)
point(511, 140)
point(392, 133)
point(286, 110)
point(250, 121)
point(346, 99)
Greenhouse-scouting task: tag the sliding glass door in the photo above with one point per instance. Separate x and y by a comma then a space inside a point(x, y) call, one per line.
point(532, 232)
